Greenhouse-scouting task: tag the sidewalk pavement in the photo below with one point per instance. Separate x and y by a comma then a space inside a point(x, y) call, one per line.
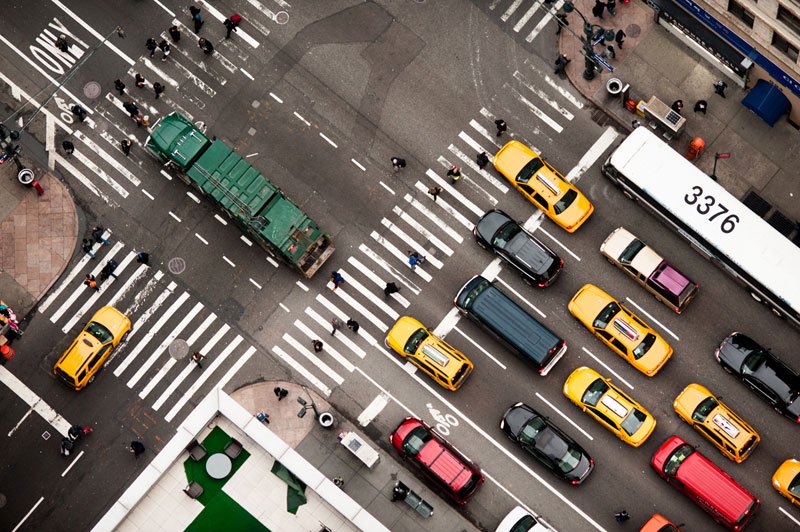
point(656, 63)
point(38, 235)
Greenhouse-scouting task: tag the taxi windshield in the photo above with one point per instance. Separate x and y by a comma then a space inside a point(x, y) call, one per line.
point(99, 332)
point(594, 392)
point(529, 169)
point(705, 407)
point(644, 346)
point(633, 421)
point(602, 319)
point(414, 340)
point(565, 201)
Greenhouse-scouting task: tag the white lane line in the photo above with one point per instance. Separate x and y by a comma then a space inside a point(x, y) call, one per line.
point(85, 181)
point(373, 409)
point(470, 162)
point(246, 73)
point(526, 17)
point(445, 205)
point(272, 261)
point(299, 368)
point(411, 243)
point(234, 369)
point(509, 288)
point(150, 333)
point(563, 415)
point(375, 300)
point(74, 461)
point(465, 178)
point(220, 219)
point(410, 368)
point(208, 371)
point(548, 16)
point(110, 159)
point(201, 239)
point(229, 261)
point(533, 108)
point(361, 309)
point(328, 140)
point(175, 216)
point(343, 338)
point(422, 230)
point(451, 190)
point(255, 283)
point(303, 120)
point(391, 270)
point(510, 11)
point(554, 84)
point(190, 367)
point(787, 514)
point(140, 271)
point(336, 311)
point(434, 218)
point(392, 249)
point(193, 197)
point(311, 357)
point(359, 165)
point(474, 343)
point(327, 349)
point(165, 174)
point(80, 289)
point(87, 27)
point(372, 276)
point(146, 193)
point(616, 375)
point(36, 403)
point(27, 515)
point(652, 319)
point(558, 242)
point(99, 172)
point(173, 334)
point(275, 97)
point(389, 190)
point(589, 158)
point(543, 95)
point(285, 308)
point(50, 140)
point(246, 240)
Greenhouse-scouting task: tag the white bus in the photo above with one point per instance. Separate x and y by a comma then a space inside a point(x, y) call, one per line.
point(714, 222)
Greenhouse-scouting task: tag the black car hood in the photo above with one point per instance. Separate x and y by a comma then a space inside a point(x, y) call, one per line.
point(517, 417)
point(734, 349)
point(491, 222)
point(529, 254)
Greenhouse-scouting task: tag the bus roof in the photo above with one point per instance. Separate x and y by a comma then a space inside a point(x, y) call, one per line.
point(673, 182)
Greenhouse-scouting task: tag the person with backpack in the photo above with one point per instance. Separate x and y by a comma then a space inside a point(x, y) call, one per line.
point(232, 24)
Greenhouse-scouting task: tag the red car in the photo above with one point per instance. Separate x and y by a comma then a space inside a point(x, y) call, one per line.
point(440, 462)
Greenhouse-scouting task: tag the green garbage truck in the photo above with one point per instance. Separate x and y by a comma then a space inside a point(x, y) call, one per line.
point(258, 207)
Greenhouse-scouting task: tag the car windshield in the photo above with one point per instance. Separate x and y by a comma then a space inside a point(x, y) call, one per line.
point(794, 485)
point(504, 235)
point(594, 392)
point(416, 440)
point(570, 460)
point(753, 362)
point(524, 525)
point(644, 346)
point(633, 421)
point(529, 169)
point(602, 319)
point(630, 252)
point(99, 332)
point(676, 459)
point(533, 427)
point(705, 407)
point(565, 201)
point(414, 340)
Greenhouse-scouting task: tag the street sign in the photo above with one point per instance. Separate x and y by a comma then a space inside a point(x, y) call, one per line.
point(602, 61)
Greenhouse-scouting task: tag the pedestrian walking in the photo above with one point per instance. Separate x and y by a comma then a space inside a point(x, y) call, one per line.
point(197, 358)
point(620, 38)
point(231, 24)
point(398, 163)
point(91, 282)
point(205, 45)
point(97, 233)
point(108, 270)
point(66, 446)
point(139, 80)
point(719, 88)
point(610, 52)
point(151, 45)
point(86, 246)
point(338, 482)
point(317, 345)
point(415, 258)
point(622, 516)
point(700, 106)
point(336, 324)
point(390, 289)
point(74, 432)
point(165, 49)
point(79, 111)
point(68, 146)
point(677, 106)
point(435, 191)
point(353, 325)
point(62, 44)
point(598, 8)
point(454, 173)
point(611, 6)
point(561, 63)
point(174, 33)
point(501, 125)
point(336, 279)
point(280, 393)
point(143, 258)
point(136, 448)
point(561, 20)
point(196, 18)
point(119, 86)
point(482, 159)
point(126, 146)
point(158, 88)
point(132, 109)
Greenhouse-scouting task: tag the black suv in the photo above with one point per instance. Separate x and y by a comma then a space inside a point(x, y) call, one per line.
point(534, 433)
point(536, 262)
point(762, 372)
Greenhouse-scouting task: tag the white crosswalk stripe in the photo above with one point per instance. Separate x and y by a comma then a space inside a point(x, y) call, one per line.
point(412, 243)
point(449, 231)
point(399, 255)
point(307, 375)
point(327, 349)
point(311, 357)
point(422, 230)
point(375, 300)
point(337, 312)
point(322, 322)
point(445, 205)
point(372, 276)
point(451, 191)
point(394, 272)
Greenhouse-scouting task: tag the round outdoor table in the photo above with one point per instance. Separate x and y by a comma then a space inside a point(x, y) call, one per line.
point(218, 466)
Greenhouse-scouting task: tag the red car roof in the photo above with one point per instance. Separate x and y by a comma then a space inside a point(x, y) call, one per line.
point(444, 464)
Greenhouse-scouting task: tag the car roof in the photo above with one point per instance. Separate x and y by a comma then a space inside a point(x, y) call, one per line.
point(445, 464)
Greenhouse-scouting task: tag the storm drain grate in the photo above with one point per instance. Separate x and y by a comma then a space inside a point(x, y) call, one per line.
point(176, 265)
point(780, 222)
point(757, 204)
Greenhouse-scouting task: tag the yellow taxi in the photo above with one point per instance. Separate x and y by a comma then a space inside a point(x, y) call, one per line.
point(787, 480)
point(543, 185)
point(438, 359)
point(613, 408)
point(80, 363)
point(620, 329)
point(716, 422)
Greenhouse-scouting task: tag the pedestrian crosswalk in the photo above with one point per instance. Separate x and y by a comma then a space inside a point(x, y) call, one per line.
point(527, 18)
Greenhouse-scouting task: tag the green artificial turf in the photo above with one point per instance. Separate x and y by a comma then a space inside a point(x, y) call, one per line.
point(223, 513)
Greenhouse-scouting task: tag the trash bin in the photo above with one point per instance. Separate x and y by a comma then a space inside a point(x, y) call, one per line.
point(614, 86)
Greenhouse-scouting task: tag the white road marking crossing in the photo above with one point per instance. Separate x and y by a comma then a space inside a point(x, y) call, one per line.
point(240, 33)
point(589, 158)
point(526, 17)
point(36, 403)
point(380, 283)
point(377, 259)
point(83, 179)
point(535, 110)
point(322, 366)
point(449, 209)
point(327, 348)
point(352, 346)
point(468, 161)
point(451, 190)
point(407, 218)
point(542, 95)
point(548, 16)
point(469, 181)
point(652, 319)
point(478, 346)
point(99, 172)
point(411, 243)
point(78, 268)
point(301, 370)
point(108, 158)
point(358, 307)
point(435, 219)
point(392, 249)
point(560, 413)
point(511, 9)
point(352, 281)
point(614, 373)
point(509, 288)
point(488, 135)
point(336, 311)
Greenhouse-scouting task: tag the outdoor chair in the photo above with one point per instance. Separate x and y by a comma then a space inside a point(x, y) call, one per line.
point(193, 490)
point(197, 451)
point(233, 449)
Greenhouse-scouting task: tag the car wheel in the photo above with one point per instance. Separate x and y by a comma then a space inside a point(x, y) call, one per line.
point(91, 379)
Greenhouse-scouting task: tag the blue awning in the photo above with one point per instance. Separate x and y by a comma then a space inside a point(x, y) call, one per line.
point(767, 101)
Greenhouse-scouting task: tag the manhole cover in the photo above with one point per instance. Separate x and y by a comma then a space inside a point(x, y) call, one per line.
point(176, 265)
point(281, 17)
point(92, 90)
point(633, 31)
point(178, 349)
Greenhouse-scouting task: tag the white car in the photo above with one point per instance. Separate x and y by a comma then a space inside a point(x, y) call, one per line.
point(519, 520)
